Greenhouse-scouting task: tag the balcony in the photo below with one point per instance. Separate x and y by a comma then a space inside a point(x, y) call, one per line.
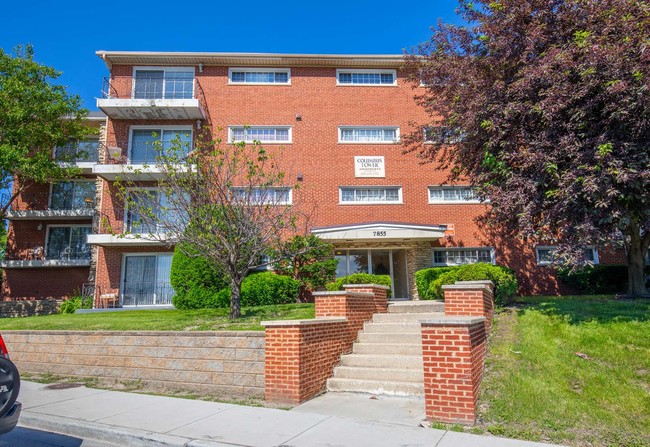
point(52, 254)
point(82, 154)
point(121, 228)
point(135, 294)
point(69, 204)
point(127, 160)
point(168, 96)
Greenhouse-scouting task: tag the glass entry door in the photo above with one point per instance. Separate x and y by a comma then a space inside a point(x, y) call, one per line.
point(377, 262)
point(146, 280)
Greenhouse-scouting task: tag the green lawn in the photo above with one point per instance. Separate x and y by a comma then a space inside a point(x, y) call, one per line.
point(162, 319)
point(535, 386)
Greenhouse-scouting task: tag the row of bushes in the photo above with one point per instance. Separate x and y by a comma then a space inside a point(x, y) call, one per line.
point(598, 280)
point(360, 278)
point(429, 282)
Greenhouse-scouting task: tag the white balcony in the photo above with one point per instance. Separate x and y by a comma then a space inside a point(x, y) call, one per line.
point(151, 109)
point(25, 264)
point(79, 214)
point(130, 172)
point(127, 240)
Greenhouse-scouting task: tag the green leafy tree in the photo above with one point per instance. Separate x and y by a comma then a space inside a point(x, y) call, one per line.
point(308, 259)
point(36, 115)
point(544, 105)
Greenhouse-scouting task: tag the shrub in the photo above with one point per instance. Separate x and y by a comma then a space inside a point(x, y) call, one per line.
point(596, 280)
point(360, 278)
point(424, 277)
point(195, 281)
point(73, 303)
point(505, 282)
point(201, 298)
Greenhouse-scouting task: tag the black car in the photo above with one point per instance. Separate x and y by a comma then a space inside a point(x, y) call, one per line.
point(9, 389)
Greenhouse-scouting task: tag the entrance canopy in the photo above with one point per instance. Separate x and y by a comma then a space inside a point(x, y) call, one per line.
point(380, 232)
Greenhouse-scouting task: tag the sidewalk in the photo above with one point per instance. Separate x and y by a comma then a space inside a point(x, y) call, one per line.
point(128, 419)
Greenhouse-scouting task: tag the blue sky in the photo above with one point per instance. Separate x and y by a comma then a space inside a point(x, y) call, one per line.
point(66, 34)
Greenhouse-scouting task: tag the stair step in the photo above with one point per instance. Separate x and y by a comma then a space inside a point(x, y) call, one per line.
point(405, 317)
point(413, 327)
point(412, 338)
point(379, 387)
point(388, 348)
point(382, 361)
point(416, 307)
point(383, 374)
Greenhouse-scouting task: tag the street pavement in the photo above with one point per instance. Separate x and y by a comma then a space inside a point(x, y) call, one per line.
point(130, 419)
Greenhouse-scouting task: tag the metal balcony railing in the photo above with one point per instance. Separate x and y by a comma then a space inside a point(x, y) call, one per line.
point(125, 152)
point(170, 86)
point(52, 251)
point(81, 152)
point(74, 200)
point(139, 293)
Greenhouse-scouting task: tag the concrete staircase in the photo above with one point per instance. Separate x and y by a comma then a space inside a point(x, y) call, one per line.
point(387, 357)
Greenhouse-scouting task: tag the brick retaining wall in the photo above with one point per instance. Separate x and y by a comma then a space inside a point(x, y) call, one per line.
point(227, 364)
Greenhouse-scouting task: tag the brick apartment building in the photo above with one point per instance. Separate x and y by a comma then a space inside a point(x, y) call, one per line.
point(339, 119)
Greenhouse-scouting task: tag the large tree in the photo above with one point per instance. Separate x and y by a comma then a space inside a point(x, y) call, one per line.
point(228, 202)
point(548, 104)
point(36, 115)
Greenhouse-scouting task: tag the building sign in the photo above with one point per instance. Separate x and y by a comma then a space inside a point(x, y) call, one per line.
point(369, 166)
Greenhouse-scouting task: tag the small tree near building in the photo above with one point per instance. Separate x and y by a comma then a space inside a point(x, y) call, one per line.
point(35, 117)
point(545, 107)
point(228, 202)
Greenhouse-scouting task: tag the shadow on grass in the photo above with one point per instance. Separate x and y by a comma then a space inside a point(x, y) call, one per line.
point(582, 309)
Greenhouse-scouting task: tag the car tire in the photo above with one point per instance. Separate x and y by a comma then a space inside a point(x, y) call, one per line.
point(9, 385)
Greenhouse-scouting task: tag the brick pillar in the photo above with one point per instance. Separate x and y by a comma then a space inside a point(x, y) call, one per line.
point(380, 292)
point(453, 350)
point(470, 298)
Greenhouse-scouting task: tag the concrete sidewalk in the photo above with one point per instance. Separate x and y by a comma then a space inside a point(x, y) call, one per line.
point(128, 419)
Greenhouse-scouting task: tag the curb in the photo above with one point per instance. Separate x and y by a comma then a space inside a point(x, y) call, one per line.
point(110, 434)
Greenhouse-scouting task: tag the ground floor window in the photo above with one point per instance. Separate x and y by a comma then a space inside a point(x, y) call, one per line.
point(145, 280)
point(376, 262)
point(546, 255)
point(461, 256)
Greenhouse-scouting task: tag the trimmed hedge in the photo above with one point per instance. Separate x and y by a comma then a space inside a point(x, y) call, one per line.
point(258, 289)
point(195, 281)
point(424, 277)
point(597, 280)
point(360, 278)
point(505, 282)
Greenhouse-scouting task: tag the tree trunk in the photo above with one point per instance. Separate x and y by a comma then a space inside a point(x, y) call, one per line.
point(235, 295)
point(636, 253)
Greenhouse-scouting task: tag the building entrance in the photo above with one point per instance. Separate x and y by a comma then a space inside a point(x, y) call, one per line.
point(377, 262)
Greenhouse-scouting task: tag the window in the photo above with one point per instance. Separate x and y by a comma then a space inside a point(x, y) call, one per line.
point(370, 195)
point(366, 77)
point(460, 256)
point(147, 145)
point(260, 76)
point(546, 255)
point(368, 134)
point(263, 196)
point(148, 208)
point(452, 194)
point(442, 135)
point(263, 134)
point(86, 150)
point(163, 83)
point(145, 280)
point(73, 195)
point(67, 242)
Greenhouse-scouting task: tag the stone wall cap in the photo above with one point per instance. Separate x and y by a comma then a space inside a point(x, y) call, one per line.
point(483, 281)
point(453, 321)
point(321, 320)
point(359, 286)
point(464, 286)
point(344, 293)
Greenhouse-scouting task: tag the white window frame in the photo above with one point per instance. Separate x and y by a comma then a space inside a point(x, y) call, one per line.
point(395, 128)
point(140, 253)
point(181, 128)
point(446, 249)
point(374, 71)
point(47, 234)
point(164, 70)
point(446, 202)
point(554, 247)
point(289, 141)
point(129, 190)
point(451, 142)
point(289, 201)
point(399, 201)
point(259, 70)
point(74, 180)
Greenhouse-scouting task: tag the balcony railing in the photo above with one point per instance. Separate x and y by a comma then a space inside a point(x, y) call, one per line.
point(139, 293)
point(42, 201)
point(125, 152)
point(82, 152)
point(31, 251)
